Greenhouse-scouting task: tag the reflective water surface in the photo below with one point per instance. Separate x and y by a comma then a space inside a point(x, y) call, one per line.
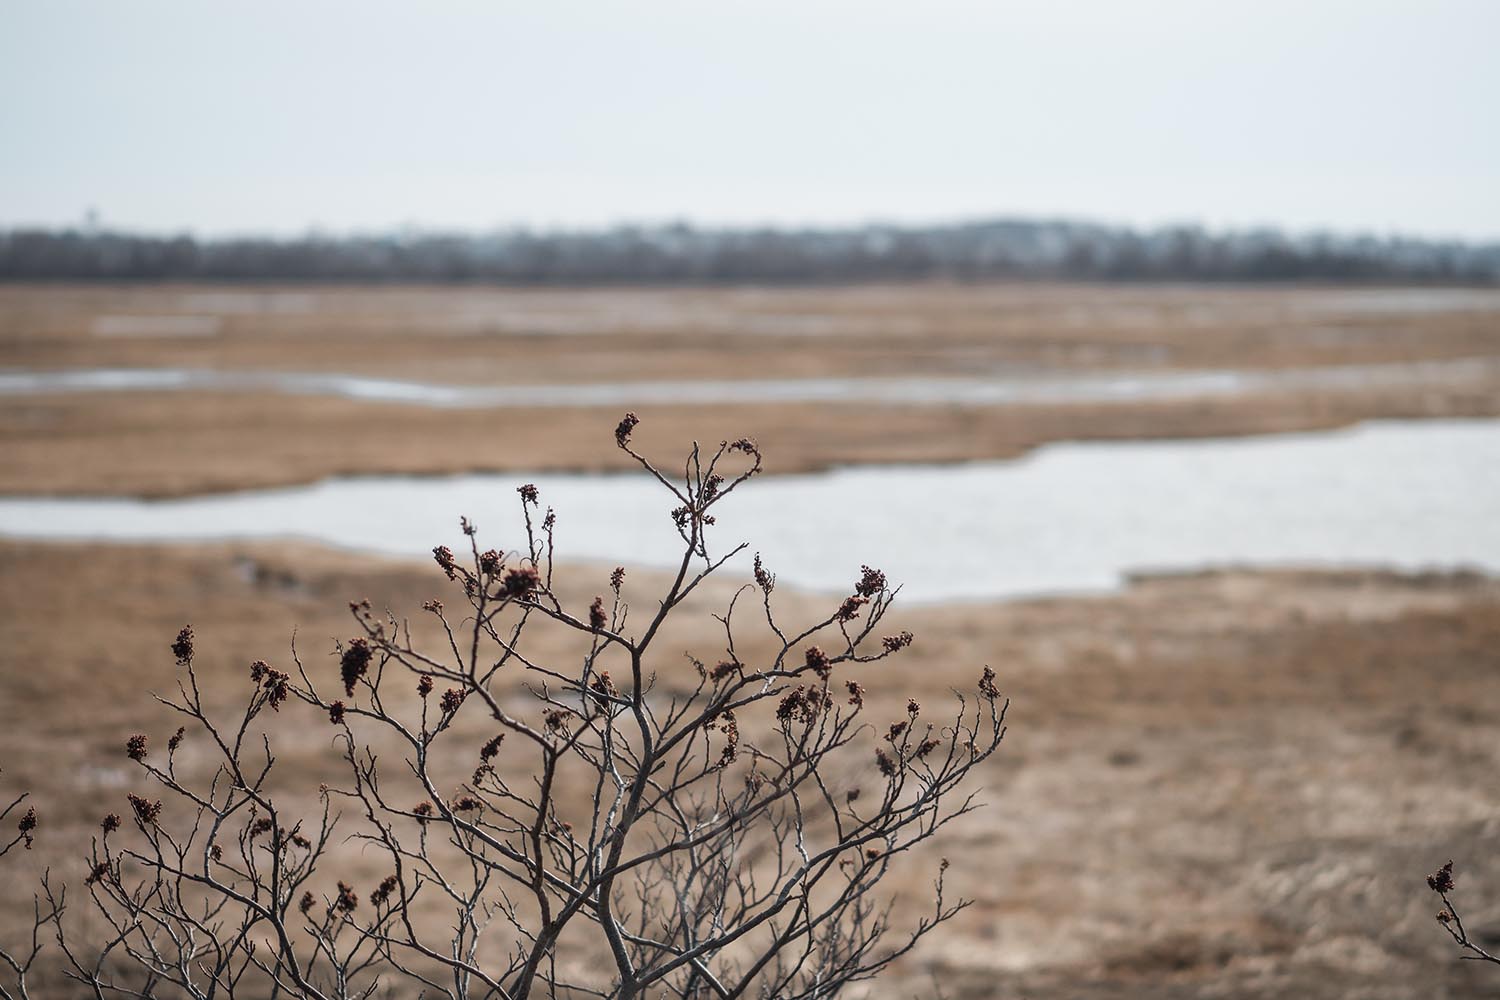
point(995, 389)
point(1068, 517)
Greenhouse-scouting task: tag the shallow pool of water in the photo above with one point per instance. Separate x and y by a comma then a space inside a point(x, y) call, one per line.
point(1067, 517)
point(989, 390)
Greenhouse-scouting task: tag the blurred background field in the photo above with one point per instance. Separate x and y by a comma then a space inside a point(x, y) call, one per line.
point(1219, 782)
point(836, 375)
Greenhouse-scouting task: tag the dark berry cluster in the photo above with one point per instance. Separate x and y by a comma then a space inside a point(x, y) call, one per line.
point(896, 643)
point(520, 581)
point(603, 688)
point(987, 684)
point(383, 891)
point(355, 663)
point(146, 810)
point(622, 432)
point(346, 900)
point(871, 582)
point(849, 610)
point(730, 727)
point(764, 579)
point(27, 826)
point(276, 683)
point(803, 704)
point(182, 648)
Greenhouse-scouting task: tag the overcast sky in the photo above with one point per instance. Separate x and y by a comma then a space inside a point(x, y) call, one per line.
point(281, 115)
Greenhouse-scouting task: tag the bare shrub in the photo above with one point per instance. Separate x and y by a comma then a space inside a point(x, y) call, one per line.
point(543, 829)
point(19, 821)
point(1441, 882)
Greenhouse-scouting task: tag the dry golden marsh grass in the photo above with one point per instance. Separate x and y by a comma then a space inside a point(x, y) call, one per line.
point(1223, 784)
point(144, 443)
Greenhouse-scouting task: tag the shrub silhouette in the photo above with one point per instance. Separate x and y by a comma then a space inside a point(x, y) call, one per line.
point(542, 829)
point(1442, 883)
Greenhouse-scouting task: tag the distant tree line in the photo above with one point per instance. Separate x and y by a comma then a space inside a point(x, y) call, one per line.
point(683, 254)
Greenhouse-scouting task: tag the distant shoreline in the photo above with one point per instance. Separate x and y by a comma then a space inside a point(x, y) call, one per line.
point(685, 255)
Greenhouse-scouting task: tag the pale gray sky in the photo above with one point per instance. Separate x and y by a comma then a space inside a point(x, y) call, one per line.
point(279, 115)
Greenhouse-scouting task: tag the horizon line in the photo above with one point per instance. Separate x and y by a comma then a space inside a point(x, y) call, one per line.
point(417, 229)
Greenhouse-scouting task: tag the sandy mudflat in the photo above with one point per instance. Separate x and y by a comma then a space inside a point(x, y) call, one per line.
point(1218, 784)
